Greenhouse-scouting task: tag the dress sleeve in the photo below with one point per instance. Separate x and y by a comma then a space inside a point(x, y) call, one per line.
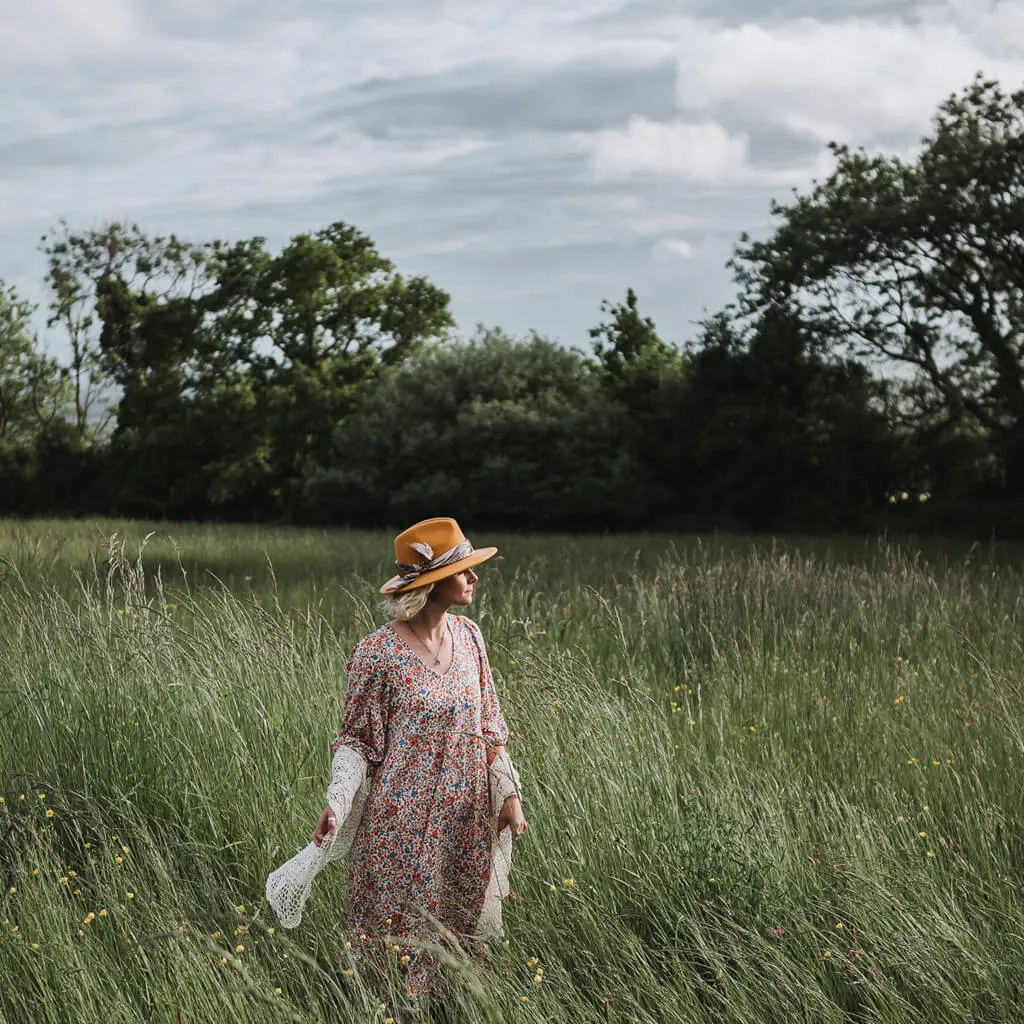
point(492, 721)
point(364, 726)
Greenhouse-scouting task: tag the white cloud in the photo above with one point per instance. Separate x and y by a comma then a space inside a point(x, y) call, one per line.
point(852, 80)
point(703, 153)
point(56, 31)
point(674, 248)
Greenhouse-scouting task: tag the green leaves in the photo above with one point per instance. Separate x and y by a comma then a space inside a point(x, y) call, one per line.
point(33, 391)
point(498, 431)
point(918, 264)
point(232, 364)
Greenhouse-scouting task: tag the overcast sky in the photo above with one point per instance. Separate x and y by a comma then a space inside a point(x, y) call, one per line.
point(530, 156)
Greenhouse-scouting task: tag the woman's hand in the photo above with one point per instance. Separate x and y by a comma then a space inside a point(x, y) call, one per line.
point(326, 827)
point(511, 817)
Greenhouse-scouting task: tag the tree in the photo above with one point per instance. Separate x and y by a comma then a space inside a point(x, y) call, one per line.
point(132, 306)
point(770, 434)
point(34, 405)
point(33, 392)
point(230, 365)
point(918, 265)
point(81, 267)
point(644, 374)
point(300, 335)
point(503, 433)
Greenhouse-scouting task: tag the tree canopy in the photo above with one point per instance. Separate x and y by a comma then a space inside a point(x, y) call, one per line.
point(919, 265)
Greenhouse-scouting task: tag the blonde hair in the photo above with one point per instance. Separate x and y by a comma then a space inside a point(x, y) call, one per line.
point(408, 604)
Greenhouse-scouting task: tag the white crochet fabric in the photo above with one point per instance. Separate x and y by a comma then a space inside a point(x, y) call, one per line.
point(289, 886)
point(504, 782)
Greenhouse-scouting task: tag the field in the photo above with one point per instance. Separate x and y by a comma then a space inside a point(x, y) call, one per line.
point(766, 780)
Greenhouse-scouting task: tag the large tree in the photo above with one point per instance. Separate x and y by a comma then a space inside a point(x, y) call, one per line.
point(771, 434)
point(298, 336)
point(230, 365)
point(33, 391)
point(645, 375)
point(918, 264)
point(507, 433)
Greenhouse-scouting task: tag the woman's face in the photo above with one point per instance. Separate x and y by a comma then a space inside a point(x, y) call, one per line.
point(457, 589)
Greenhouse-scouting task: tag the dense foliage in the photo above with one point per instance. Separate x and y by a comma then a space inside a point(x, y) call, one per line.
point(871, 371)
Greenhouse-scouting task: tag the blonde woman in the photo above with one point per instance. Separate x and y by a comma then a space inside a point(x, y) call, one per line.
point(431, 840)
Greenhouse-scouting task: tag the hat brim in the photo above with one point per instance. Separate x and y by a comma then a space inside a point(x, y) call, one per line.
point(478, 556)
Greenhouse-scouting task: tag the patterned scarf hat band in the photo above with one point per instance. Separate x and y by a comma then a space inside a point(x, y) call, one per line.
point(418, 565)
point(410, 571)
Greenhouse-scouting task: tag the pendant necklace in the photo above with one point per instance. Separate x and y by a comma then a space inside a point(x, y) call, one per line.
point(437, 656)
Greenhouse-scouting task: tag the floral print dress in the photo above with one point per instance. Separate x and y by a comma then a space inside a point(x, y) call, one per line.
point(423, 847)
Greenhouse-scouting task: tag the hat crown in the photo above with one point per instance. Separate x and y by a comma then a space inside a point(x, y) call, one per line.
point(440, 534)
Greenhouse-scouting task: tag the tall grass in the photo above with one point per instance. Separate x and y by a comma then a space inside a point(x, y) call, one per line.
point(765, 781)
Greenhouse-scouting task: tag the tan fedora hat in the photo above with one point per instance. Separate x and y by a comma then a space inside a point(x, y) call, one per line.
point(429, 551)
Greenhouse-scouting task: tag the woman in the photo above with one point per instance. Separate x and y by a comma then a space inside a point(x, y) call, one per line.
point(431, 842)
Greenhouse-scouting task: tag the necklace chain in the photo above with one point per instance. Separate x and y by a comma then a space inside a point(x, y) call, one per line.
point(440, 646)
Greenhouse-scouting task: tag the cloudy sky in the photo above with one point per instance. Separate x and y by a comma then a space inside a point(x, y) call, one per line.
point(530, 156)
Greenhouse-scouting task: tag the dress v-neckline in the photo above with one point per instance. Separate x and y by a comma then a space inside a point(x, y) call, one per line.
point(412, 652)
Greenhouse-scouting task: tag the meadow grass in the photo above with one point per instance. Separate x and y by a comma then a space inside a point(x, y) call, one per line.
point(766, 781)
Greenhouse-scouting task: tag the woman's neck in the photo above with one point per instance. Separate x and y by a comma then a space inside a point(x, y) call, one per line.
point(429, 623)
